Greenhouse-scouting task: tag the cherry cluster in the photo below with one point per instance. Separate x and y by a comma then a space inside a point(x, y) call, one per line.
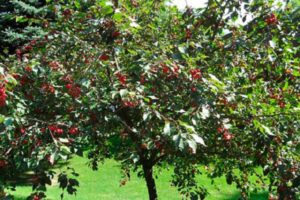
point(272, 19)
point(3, 96)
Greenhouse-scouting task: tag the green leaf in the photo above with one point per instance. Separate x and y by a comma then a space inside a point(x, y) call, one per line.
point(158, 115)
point(77, 4)
point(188, 127)
point(178, 141)
point(267, 129)
point(21, 19)
point(167, 128)
point(198, 139)
point(65, 149)
point(107, 10)
point(2, 118)
point(123, 93)
point(8, 121)
point(193, 145)
point(118, 17)
point(145, 116)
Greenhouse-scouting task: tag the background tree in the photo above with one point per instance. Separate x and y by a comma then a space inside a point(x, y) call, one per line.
point(21, 22)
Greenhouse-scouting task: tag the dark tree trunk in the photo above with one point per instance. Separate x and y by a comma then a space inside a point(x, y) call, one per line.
point(148, 173)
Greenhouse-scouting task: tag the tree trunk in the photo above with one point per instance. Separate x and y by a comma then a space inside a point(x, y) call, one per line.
point(148, 173)
point(2, 193)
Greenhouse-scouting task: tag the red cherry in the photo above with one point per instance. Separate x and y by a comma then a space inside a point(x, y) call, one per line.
point(115, 34)
point(19, 53)
point(75, 91)
point(165, 69)
point(2, 164)
point(54, 65)
point(281, 104)
point(227, 136)
point(188, 33)
point(36, 197)
point(103, 57)
point(68, 86)
point(196, 73)
point(22, 130)
point(73, 130)
point(28, 69)
point(67, 12)
point(59, 131)
point(122, 78)
point(144, 146)
point(3, 97)
point(28, 48)
point(142, 79)
point(43, 130)
point(220, 130)
point(272, 19)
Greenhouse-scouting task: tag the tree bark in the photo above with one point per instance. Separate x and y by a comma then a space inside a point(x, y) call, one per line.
point(2, 193)
point(148, 174)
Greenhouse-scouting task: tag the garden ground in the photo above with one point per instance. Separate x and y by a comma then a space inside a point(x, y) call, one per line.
point(104, 184)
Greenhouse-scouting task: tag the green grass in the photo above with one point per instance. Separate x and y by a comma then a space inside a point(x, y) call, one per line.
point(104, 185)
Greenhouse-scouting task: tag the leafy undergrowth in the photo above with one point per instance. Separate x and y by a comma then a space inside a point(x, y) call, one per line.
point(105, 184)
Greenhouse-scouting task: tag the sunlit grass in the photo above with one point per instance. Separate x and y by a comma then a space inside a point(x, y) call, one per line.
point(104, 184)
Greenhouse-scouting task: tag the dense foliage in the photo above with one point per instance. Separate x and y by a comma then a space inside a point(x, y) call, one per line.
point(21, 22)
point(146, 84)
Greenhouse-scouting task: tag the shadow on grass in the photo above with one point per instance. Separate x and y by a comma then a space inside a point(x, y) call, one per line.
point(27, 178)
point(253, 196)
point(20, 198)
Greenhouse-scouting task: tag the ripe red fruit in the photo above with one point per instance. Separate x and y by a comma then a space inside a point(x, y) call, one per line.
point(281, 104)
point(196, 73)
point(59, 131)
point(158, 145)
point(272, 19)
point(68, 86)
point(33, 42)
point(188, 33)
point(144, 146)
point(67, 12)
point(3, 97)
point(67, 79)
point(129, 104)
point(2, 164)
point(176, 70)
point(227, 136)
point(28, 47)
point(55, 129)
point(103, 57)
point(194, 89)
point(73, 90)
point(36, 197)
point(220, 130)
point(19, 54)
point(54, 65)
point(28, 69)
point(115, 34)
point(22, 130)
point(142, 79)
point(73, 130)
point(48, 88)
point(122, 78)
point(16, 76)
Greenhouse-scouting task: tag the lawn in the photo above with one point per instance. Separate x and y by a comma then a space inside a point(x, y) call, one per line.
point(104, 185)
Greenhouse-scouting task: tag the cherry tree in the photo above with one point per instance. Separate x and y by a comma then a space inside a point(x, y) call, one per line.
point(150, 86)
